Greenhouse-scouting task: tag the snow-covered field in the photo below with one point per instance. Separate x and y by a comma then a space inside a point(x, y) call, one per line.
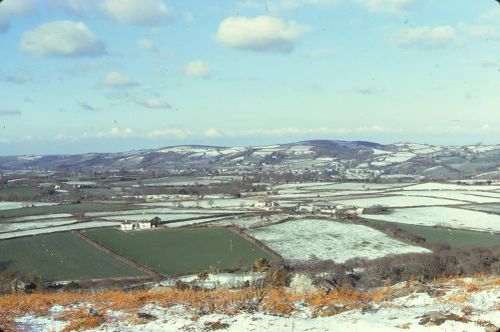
point(442, 216)
point(166, 210)
point(249, 222)
point(17, 205)
point(397, 201)
point(452, 186)
point(358, 186)
point(465, 195)
point(63, 228)
point(21, 226)
point(164, 217)
point(306, 239)
point(208, 203)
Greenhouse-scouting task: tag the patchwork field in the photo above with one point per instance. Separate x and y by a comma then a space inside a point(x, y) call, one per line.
point(181, 251)
point(455, 238)
point(61, 256)
point(397, 201)
point(443, 217)
point(65, 208)
point(309, 239)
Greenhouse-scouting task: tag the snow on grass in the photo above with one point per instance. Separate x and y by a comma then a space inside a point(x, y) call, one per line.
point(306, 239)
point(405, 309)
point(192, 222)
point(17, 205)
point(470, 196)
point(359, 186)
point(159, 210)
point(163, 217)
point(249, 222)
point(451, 186)
point(11, 227)
point(62, 228)
point(442, 216)
point(213, 281)
point(397, 201)
point(208, 203)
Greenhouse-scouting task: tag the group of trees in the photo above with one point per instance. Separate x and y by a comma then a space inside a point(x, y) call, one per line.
point(442, 262)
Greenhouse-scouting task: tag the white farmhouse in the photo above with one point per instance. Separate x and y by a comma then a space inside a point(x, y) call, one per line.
point(144, 224)
point(126, 226)
point(266, 205)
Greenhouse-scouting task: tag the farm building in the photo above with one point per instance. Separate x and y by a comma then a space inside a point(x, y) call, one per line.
point(129, 226)
point(266, 205)
point(126, 226)
point(144, 225)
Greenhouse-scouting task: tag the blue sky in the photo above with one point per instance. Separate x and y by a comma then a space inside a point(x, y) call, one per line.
point(112, 75)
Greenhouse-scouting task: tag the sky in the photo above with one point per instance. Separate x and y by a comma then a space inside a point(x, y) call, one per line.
point(115, 75)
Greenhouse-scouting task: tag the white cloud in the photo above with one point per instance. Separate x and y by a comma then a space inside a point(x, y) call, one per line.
point(117, 132)
point(12, 8)
point(198, 69)
point(62, 38)
point(260, 34)
point(430, 37)
point(144, 12)
point(154, 102)
point(75, 7)
point(115, 79)
point(212, 132)
point(169, 132)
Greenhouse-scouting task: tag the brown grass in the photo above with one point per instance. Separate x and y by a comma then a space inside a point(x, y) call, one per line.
point(276, 300)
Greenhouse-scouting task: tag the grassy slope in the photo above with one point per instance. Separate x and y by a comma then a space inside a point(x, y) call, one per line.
point(61, 256)
point(173, 251)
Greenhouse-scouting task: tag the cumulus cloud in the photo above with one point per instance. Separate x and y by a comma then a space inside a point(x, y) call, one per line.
point(117, 132)
point(260, 34)
point(154, 102)
point(144, 12)
point(62, 38)
point(429, 37)
point(117, 80)
point(198, 69)
point(9, 112)
point(170, 132)
point(212, 132)
point(12, 8)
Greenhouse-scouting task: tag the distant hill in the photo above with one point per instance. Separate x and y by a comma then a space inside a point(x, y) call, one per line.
point(352, 159)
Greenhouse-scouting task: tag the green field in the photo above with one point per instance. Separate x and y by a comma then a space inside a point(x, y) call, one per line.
point(181, 251)
point(66, 208)
point(61, 256)
point(455, 238)
point(19, 193)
